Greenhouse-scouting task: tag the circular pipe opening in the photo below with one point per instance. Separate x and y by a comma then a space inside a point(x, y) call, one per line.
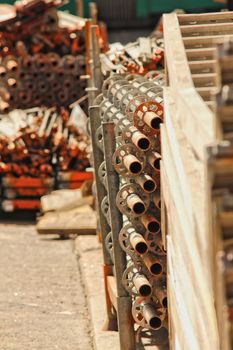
point(156, 269)
point(149, 186)
point(155, 322)
point(145, 290)
point(135, 167)
point(157, 164)
point(141, 247)
point(153, 226)
point(155, 123)
point(164, 302)
point(144, 144)
point(139, 208)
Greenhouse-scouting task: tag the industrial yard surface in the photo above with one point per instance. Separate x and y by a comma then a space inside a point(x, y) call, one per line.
point(43, 303)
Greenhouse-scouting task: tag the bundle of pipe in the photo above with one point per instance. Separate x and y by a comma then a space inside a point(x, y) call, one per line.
point(140, 57)
point(42, 79)
point(39, 141)
point(40, 62)
point(135, 105)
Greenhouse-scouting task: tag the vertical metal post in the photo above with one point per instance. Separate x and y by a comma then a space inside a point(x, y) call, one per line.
point(93, 12)
point(98, 76)
point(80, 8)
point(124, 315)
point(98, 158)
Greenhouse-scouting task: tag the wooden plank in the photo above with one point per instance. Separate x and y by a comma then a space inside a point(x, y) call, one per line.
point(207, 66)
point(206, 29)
point(191, 175)
point(199, 127)
point(208, 79)
point(203, 18)
point(112, 290)
point(200, 53)
point(209, 41)
point(192, 276)
point(81, 220)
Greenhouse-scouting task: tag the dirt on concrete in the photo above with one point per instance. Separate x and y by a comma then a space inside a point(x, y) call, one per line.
point(42, 297)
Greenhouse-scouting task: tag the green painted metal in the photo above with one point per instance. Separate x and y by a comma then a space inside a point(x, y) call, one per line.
point(146, 8)
point(70, 7)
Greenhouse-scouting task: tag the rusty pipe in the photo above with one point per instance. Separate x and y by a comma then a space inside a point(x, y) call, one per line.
point(157, 201)
point(135, 203)
point(154, 160)
point(12, 65)
point(4, 106)
point(138, 243)
point(139, 139)
point(150, 223)
point(132, 164)
point(151, 316)
point(153, 264)
point(2, 71)
point(161, 294)
point(152, 120)
point(147, 183)
point(142, 285)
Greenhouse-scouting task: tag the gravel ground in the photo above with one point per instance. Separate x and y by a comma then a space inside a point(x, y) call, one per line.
point(42, 298)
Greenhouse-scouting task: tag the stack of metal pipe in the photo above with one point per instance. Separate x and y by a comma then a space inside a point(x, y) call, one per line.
point(134, 105)
point(139, 57)
point(39, 141)
point(40, 62)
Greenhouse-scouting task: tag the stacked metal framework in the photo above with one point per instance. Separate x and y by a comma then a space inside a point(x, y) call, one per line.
point(125, 128)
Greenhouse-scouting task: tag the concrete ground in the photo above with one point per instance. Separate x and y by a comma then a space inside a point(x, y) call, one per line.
point(43, 303)
point(52, 293)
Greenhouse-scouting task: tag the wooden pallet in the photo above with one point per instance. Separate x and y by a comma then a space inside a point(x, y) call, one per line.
point(190, 126)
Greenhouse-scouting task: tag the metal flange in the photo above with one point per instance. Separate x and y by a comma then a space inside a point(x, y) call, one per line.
point(129, 96)
point(132, 104)
point(109, 81)
point(124, 90)
point(105, 209)
point(119, 164)
point(147, 314)
point(102, 174)
point(99, 139)
point(135, 281)
point(109, 244)
point(113, 89)
point(129, 205)
point(141, 110)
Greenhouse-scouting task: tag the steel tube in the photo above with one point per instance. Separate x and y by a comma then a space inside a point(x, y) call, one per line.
point(135, 203)
point(132, 164)
point(152, 120)
point(151, 316)
point(142, 285)
point(138, 243)
point(147, 183)
point(139, 139)
point(151, 223)
point(154, 160)
point(153, 264)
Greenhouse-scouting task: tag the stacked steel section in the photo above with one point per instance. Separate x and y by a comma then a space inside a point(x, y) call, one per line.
point(40, 62)
point(131, 111)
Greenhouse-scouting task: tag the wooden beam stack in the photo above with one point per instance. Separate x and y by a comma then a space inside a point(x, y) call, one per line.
point(191, 124)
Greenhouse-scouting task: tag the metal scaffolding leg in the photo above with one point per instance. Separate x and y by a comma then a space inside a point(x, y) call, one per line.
point(125, 322)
